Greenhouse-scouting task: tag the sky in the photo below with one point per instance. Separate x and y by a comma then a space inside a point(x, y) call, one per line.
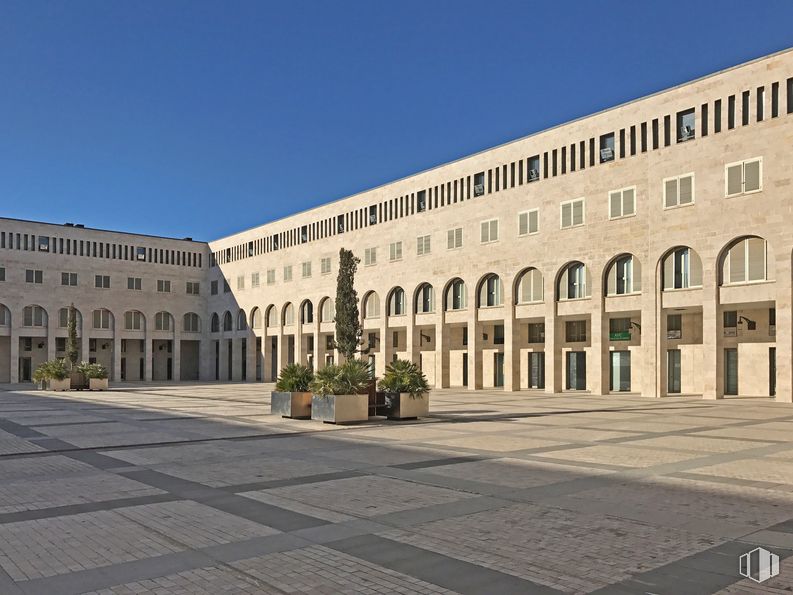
point(204, 118)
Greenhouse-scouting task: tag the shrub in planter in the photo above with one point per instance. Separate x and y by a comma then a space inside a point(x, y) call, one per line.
point(291, 397)
point(53, 374)
point(407, 391)
point(340, 392)
point(96, 375)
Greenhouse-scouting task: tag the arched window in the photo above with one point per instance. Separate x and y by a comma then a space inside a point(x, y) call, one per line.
point(307, 313)
point(228, 322)
point(5, 316)
point(192, 323)
point(256, 318)
point(573, 282)
point(34, 316)
point(134, 321)
point(214, 323)
point(425, 299)
point(681, 269)
point(491, 292)
point(327, 311)
point(102, 319)
point(272, 317)
point(530, 287)
point(624, 275)
point(746, 261)
point(456, 297)
point(242, 320)
point(63, 318)
point(396, 303)
point(162, 321)
point(289, 315)
point(371, 306)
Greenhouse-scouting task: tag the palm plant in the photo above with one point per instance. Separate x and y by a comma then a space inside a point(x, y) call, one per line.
point(95, 370)
point(350, 378)
point(403, 376)
point(294, 378)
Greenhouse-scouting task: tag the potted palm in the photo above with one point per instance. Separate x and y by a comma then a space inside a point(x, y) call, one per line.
point(406, 391)
point(53, 375)
point(340, 393)
point(291, 397)
point(96, 375)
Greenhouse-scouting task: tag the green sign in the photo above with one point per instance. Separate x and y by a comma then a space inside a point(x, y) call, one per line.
point(620, 336)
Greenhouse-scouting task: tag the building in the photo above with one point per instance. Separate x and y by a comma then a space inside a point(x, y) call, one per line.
point(645, 249)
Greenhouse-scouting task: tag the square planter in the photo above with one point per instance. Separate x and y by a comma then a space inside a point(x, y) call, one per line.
point(78, 380)
point(64, 384)
point(403, 406)
point(97, 383)
point(292, 405)
point(340, 409)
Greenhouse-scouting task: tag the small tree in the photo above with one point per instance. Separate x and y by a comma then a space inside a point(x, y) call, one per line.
point(71, 341)
point(348, 323)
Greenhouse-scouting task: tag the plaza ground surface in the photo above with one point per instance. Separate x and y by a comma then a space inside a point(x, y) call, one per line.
point(197, 489)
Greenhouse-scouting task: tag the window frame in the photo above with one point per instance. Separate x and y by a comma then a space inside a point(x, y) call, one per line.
point(571, 202)
point(622, 214)
point(677, 180)
point(528, 214)
point(743, 163)
point(489, 223)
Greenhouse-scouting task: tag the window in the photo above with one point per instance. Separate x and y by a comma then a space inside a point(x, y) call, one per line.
point(573, 282)
point(134, 283)
point(425, 299)
point(101, 319)
point(528, 222)
point(489, 231)
point(572, 213)
point(226, 285)
point(370, 256)
point(479, 183)
point(607, 147)
point(575, 331)
point(717, 116)
point(622, 203)
point(193, 288)
point(533, 166)
point(498, 334)
point(746, 262)
point(141, 253)
point(423, 245)
point(60, 344)
point(619, 325)
point(227, 322)
point(2, 274)
point(44, 244)
point(69, 279)
point(396, 306)
point(421, 201)
point(192, 323)
point(288, 273)
point(242, 322)
point(213, 288)
point(686, 125)
point(372, 306)
point(679, 191)
point(163, 286)
point(491, 292)
point(270, 276)
point(745, 108)
point(240, 282)
point(33, 276)
point(456, 296)
point(324, 266)
point(102, 281)
point(328, 310)
point(306, 269)
point(133, 321)
point(674, 326)
point(624, 276)
point(536, 332)
point(162, 321)
point(214, 323)
point(454, 238)
point(744, 177)
point(63, 317)
point(682, 269)
point(395, 251)
point(34, 316)
point(790, 95)
point(530, 287)
point(730, 319)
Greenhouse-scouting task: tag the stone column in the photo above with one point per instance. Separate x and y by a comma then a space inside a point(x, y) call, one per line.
point(474, 349)
point(712, 358)
point(148, 351)
point(553, 355)
point(385, 354)
point(511, 342)
point(784, 333)
point(115, 373)
point(14, 352)
point(176, 356)
point(442, 344)
point(652, 334)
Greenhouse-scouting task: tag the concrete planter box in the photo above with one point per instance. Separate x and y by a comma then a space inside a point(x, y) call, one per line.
point(64, 384)
point(403, 406)
point(97, 383)
point(292, 405)
point(340, 409)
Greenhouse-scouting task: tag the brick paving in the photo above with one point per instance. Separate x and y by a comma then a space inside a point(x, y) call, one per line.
point(195, 489)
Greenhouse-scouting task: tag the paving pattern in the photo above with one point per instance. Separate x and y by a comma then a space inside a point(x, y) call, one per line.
point(196, 489)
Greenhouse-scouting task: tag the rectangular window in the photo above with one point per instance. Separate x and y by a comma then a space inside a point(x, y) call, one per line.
point(743, 177)
point(193, 288)
point(69, 279)
point(44, 244)
point(324, 266)
point(655, 133)
point(254, 280)
point(288, 272)
point(790, 95)
point(370, 256)
point(622, 203)
point(575, 331)
point(731, 319)
point(489, 231)
point(140, 253)
point(454, 238)
point(226, 285)
point(423, 245)
point(134, 283)
point(536, 332)
point(163, 286)
point(528, 222)
point(745, 108)
point(270, 276)
point(572, 213)
point(717, 116)
point(479, 184)
point(644, 137)
point(703, 119)
point(607, 147)
point(686, 125)
point(34, 276)
point(102, 281)
point(760, 108)
point(306, 269)
point(2, 273)
point(395, 251)
point(774, 100)
point(667, 131)
point(533, 165)
point(731, 112)
point(633, 140)
point(421, 201)
point(678, 191)
point(213, 288)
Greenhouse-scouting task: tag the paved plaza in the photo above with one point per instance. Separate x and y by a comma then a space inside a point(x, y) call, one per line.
point(197, 489)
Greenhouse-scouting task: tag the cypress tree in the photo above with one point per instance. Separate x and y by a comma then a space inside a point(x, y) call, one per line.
point(348, 323)
point(71, 340)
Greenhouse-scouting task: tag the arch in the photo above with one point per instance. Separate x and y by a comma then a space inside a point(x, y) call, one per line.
point(573, 281)
point(490, 291)
point(271, 317)
point(34, 316)
point(242, 320)
point(102, 319)
point(306, 312)
point(288, 318)
point(371, 305)
point(214, 323)
point(327, 310)
point(63, 318)
point(529, 286)
point(134, 320)
point(5, 316)
point(455, 296)
point(163, 321)
point(228, 322)
point(191, 322)
point(424, 299)
point(256, 317)
point(396, 302)
point(681, 268)
point(746, 259)
point(623, 275)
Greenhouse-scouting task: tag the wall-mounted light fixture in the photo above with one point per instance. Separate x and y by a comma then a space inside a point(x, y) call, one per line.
point(750, 324)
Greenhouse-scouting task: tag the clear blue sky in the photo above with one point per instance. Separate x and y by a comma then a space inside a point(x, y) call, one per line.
point(196, 118)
